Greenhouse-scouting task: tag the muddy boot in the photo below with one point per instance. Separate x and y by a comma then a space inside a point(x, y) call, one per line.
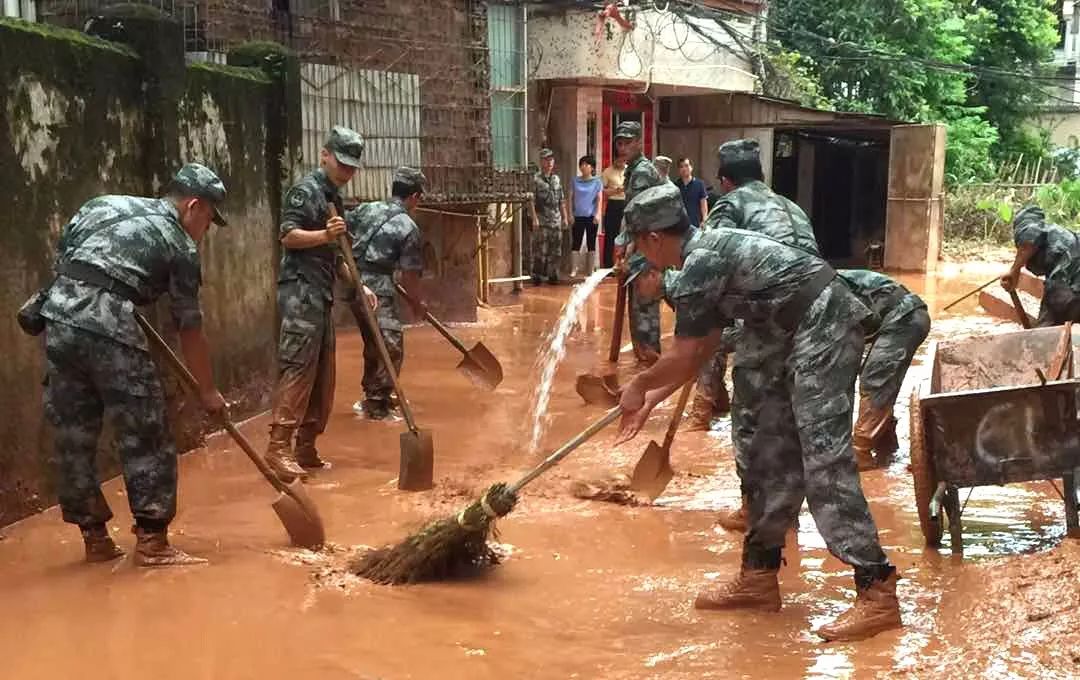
point(307, 456)
point(734, 520)
point(756, 586)
point(700, 416)
point(377, 409)
point(99, 545)
point(279, 455)
point(876, 609)
point(152, 549)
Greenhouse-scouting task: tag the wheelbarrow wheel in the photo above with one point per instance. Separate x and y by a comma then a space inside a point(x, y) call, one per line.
point(923, 476)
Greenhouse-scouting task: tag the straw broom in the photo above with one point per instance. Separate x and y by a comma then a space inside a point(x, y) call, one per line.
point(459, 543)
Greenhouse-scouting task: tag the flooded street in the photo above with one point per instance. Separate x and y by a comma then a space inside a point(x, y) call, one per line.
point(587, 590)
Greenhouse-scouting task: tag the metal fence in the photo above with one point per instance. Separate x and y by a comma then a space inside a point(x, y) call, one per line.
point(383, 106)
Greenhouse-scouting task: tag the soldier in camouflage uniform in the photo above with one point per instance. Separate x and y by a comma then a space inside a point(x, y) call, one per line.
point(905, 323)
point(640, 174)
point(550, 217)
point(385, 239)
point(1052, 252)
point(732, 274)
point(310, 260)
point(749, 204)
point(115, 253)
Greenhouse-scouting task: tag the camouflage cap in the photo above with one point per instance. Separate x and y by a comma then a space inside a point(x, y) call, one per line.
point(546, 153)
point(628, 129)
point(195, 179)
point(658, 207)
point(662, 163)
point(738, 151)
point(407, 175)
point(346, 145)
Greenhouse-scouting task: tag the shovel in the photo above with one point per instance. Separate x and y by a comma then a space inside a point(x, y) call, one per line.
point(417, 468)
point(478, 364)
point(293, 506)
point(617, 322)
point(598, 390)
point(653, 471)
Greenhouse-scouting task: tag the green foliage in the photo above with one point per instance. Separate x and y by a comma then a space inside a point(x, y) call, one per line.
point(1060, 202)
point(930, 61)
point(789, 76)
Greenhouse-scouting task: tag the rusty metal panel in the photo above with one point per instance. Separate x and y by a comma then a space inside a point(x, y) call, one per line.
point(1004, 435)
point(914, 217)
point(383, 106)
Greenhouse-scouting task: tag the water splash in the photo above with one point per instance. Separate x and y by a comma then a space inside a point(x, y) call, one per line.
point(548, 362)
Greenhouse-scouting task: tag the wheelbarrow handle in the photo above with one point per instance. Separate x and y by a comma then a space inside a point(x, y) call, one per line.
point(192, 386)
point(430, 318)
point(368, 313)
point(565, 450)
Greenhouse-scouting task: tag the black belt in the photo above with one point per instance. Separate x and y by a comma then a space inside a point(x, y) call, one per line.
point(87, 273)
point(793, 311)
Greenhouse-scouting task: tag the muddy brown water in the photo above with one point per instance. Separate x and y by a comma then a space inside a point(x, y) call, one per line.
point(587, 590)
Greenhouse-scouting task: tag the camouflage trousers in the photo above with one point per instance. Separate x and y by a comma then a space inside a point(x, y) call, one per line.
point(1060, 303)
point(801, 448)
point(710, 382)
point(304, 395)
point(644, 323)
point(376, 381)
point(89, 377)
point(884, 368)
point(547, 251)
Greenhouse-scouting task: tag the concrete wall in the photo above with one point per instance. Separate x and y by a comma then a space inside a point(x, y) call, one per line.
point(564, 45)
point(76, 122)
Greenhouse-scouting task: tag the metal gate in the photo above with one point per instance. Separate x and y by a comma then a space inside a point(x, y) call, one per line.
point(383, 106)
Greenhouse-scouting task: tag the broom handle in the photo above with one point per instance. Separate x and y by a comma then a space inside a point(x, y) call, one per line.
point(965, 296)
point(373, 325)
point(430, 318)
point(566, 449)
point(192, 386)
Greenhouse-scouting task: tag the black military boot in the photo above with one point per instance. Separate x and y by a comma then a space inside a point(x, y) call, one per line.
point(307, 456)
point(152, 549)
point(377, 409)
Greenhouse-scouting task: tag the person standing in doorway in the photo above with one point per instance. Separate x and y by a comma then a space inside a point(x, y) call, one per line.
point(694, 196)
point(586, 191)
point(614, 202)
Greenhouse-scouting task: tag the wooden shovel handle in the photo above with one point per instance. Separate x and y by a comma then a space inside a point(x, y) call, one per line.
point(676, 417)
point(1021, 314)
point(368, 313)
point(965, 296)
point(192, 386)
point(617, 322)
point(430, 318)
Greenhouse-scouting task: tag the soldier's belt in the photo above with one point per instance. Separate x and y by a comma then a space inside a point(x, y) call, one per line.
point(792, 313)
point(372, 268)
point(80, 271)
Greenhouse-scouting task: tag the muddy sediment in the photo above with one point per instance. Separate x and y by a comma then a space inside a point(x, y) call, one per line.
point(585, 589)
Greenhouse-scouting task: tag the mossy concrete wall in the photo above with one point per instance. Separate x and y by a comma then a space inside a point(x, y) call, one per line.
point(75, 122)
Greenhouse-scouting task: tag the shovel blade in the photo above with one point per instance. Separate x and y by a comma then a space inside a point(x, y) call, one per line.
point(598, 391)
point(653, 472)
point(417, 469)
point(481, 367)
point(300, 517)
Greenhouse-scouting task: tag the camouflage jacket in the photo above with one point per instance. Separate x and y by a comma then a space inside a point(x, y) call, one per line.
point(307, 206)
point(148, 250)
point(384, 238)
point(756, 207)
point(887, 298)
point(548, 199)
point(1057, 254)
point(640, 174)
point(732, 274)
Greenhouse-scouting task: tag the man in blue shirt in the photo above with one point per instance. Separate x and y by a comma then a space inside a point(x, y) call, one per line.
point(693, 191)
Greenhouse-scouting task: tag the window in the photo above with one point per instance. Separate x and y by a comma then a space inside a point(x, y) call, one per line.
point(506, 45)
